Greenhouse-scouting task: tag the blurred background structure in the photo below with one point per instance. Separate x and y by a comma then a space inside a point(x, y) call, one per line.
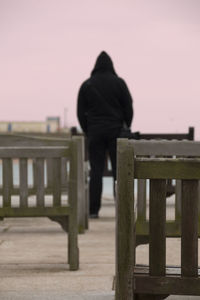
point(50, 125)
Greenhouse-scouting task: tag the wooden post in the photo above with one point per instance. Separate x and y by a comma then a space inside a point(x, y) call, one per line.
point(73, 252)
point(191, 134)
point(81, 183)
point(125, 221)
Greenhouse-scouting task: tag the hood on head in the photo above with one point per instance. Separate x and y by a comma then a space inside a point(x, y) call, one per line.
point(103, 63)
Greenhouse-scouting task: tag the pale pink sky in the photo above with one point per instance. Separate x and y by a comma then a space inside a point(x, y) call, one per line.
point(48, 47)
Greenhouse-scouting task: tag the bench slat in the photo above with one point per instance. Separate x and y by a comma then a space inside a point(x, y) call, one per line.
point(7, 181)
point(141, 199)
point(168, 169)
point(166, 285)
point(157, 239)
point(33, 152)
point(64, 175)
point(56, 181)
point(40, 181)
point(169, 271)
point(166, 148)
point(23, 190)
point(49, 172)
point(189, 228)
point(32, 191)
point(14, 212)
point(178, 197)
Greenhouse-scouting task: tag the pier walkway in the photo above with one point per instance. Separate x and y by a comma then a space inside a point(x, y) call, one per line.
point(33, 256)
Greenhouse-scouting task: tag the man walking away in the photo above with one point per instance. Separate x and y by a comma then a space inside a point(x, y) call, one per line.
point(104, 107)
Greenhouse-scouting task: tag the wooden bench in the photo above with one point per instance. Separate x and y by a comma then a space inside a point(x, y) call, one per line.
point(43, 206)
point(142, 185)
point(19, 140)
point(156, 281)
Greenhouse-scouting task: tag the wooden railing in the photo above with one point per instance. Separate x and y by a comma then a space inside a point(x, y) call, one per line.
point(157, 281)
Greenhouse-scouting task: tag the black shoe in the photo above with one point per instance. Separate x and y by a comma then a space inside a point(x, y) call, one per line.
point(94, 216)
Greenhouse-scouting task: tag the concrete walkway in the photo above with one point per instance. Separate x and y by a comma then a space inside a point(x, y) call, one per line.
point(33, 260)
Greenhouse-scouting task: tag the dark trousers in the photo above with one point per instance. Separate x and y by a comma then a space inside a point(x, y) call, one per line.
point(99, 146)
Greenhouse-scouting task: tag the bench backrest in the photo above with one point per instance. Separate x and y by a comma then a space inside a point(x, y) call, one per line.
point(162, 149)
point(169, 136)
point(23, 140)
point(131, 165)
point(14, 140)
point(145, 136)
point(9, 156)
point(166, 148)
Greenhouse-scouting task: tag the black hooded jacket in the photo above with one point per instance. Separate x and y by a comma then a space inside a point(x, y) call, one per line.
point(104, 101)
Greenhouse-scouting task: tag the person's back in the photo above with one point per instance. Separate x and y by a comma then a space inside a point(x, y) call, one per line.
point(104, 100)
point(104, 105)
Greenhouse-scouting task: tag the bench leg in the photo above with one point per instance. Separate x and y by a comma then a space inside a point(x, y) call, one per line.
point(86, 208)
point(73, 251)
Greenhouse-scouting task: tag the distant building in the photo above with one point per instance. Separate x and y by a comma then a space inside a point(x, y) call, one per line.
point(52, 124)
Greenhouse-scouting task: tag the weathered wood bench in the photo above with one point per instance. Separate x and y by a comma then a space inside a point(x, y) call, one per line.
point(58, 207)
point(142, 185)
point(19, 140)
point(156, 281)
